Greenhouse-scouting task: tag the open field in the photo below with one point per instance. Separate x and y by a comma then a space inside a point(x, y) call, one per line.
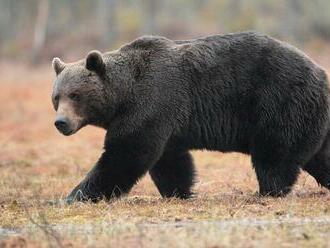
point(38, 167)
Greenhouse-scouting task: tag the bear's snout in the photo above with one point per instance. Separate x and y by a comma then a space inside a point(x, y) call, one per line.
point(62, 124)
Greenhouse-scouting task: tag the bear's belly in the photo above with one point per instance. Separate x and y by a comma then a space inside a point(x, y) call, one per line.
point(216, 135)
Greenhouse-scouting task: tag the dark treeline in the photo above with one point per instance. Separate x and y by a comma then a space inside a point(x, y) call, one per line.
point(40, 29)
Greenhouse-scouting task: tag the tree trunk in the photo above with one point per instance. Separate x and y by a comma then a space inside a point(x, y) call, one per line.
point(150, 22)
point(40, 29)
point(108, 22)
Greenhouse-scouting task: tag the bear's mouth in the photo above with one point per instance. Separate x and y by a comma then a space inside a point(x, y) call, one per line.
point(67, 133)
point(70, 131)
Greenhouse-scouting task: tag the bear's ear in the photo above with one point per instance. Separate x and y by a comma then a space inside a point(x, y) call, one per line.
point(58, 65)
point(94, 62)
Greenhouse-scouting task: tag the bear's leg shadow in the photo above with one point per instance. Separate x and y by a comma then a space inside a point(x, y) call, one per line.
point(174, 175)
point(276, 170)
point(319, 165)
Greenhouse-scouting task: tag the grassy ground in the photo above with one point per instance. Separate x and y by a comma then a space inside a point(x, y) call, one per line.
point(39, 166)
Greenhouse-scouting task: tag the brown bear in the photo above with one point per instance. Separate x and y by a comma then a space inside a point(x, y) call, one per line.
point(158, 99)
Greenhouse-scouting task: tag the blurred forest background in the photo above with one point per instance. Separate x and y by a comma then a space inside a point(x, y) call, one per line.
point(34, 31)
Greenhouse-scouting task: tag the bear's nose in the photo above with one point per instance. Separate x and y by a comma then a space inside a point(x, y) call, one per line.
point(61, 124)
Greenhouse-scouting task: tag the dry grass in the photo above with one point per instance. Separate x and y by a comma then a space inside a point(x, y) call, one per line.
point(39, 166)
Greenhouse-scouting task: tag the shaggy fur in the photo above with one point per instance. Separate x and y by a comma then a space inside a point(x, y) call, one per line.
point(159, 98)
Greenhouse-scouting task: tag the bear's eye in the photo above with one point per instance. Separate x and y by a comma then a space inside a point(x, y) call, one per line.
point(56, 98)
point(74, 97)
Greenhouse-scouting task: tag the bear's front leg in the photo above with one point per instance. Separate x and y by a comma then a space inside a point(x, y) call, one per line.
point(122, 163)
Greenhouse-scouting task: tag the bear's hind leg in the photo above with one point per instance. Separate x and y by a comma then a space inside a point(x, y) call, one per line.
point(276, 167)
point(319, 165)
point(174, 175)
point(276, 181)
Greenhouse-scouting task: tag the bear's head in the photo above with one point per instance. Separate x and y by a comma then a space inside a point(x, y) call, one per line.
point(81, 93)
